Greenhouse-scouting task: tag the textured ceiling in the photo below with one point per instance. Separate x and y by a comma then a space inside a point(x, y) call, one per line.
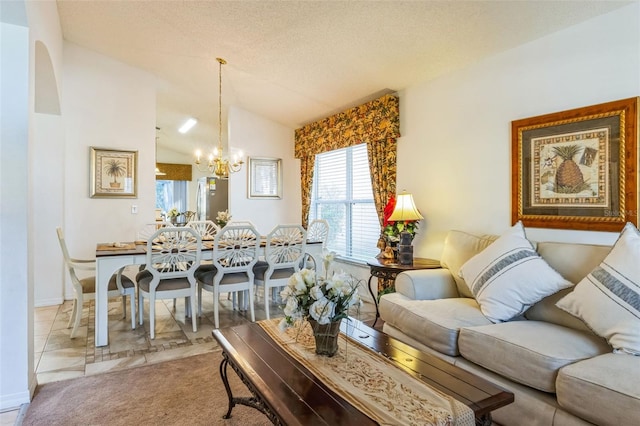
point(295, 62)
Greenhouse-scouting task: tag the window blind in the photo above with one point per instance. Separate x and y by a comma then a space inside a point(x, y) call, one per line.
point(342, 195)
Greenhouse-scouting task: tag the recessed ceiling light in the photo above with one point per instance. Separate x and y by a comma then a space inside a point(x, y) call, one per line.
point(187, 125)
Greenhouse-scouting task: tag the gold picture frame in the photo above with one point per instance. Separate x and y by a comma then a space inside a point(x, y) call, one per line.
point(114, 173)
point(265, 178)
point(577, 169)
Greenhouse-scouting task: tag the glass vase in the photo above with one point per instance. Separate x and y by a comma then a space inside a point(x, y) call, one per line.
point(326, 337)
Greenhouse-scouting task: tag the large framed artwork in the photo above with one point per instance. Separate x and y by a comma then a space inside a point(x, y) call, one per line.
point(265, 178)
point(577, 169)
point(114, 173)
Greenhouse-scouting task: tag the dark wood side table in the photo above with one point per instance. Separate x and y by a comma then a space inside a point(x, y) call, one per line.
point(386, 270)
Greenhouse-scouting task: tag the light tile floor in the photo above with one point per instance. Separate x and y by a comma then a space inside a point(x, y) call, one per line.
point(58, 357)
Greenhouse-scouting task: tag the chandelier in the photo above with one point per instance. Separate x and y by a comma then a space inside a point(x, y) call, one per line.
point(218, 165)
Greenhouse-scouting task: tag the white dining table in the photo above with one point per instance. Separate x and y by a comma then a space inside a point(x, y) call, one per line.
point(110, 259)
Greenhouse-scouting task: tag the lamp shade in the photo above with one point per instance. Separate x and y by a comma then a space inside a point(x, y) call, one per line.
point(405, 209)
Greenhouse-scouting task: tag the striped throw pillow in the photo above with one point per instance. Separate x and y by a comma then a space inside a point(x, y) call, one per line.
point(608, 299)
point(509, 276)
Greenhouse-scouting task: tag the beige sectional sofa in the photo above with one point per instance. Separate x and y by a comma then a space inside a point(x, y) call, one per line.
point(560, 372)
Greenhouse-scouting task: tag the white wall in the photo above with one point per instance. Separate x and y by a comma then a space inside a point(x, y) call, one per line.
point(454, 153)
point(257, 136)
point(47, 211)
point(17, 379)
point(105, 104)
point(46, 153)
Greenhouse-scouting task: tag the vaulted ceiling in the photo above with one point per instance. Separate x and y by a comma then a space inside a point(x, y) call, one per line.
point(295, 62)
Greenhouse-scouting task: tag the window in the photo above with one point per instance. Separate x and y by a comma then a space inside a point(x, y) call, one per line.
point(171, 193)
point(342, 195)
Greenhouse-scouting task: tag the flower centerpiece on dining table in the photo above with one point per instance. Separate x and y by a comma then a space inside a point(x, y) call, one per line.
point(222, 218)
point(173, 215)
point(321, 301)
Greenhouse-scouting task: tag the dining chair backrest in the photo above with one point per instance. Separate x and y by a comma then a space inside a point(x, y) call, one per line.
point(318, 231)
point(285, 247)
point(235, 248)
point(240, 223)
point(206, 228)
point(149, 228)
point(73, 264)
point(173, 252)
point(189, 216)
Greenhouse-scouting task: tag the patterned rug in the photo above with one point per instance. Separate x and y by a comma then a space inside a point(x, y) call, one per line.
point(370, 382)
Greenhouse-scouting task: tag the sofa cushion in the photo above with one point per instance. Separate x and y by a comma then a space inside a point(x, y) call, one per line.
point(613, 288)
point(459, 247)
point(603, 390)
point(509, 276)
point(573, 261)
point(528, 352)
point(434, 323)
point(546, 310)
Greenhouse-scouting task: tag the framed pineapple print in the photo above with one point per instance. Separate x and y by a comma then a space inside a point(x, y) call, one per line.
point(113, 173)
point(577, 169)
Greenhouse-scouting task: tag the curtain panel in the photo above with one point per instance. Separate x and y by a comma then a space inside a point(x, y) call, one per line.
point(376, 123)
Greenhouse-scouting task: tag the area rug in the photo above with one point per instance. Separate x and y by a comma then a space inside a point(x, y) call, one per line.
point(186, 391)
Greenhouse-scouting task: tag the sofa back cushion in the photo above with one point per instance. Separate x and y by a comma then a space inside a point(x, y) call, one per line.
point(459, 247)
point(574, 262)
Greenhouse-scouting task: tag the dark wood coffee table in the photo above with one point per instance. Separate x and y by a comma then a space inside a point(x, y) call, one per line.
point(289, 394)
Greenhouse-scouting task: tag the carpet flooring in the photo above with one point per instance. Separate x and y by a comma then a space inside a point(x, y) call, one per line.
point(186, 391)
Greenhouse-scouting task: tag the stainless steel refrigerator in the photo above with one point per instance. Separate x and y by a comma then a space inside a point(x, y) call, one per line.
point(213, 197)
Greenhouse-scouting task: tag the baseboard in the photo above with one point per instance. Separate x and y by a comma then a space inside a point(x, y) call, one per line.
point(14, 401)
point(48, 302)
point(33, 384)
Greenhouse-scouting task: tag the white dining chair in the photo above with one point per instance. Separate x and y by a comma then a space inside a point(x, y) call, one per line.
point(235, 252)
point(283, 252)
point(317, 232)
point(231, 295)
point(85, 288)
point(149, 229)
point(173, 255)
point(206, 228)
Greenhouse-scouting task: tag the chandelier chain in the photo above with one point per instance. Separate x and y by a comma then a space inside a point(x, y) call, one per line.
point(220, 62)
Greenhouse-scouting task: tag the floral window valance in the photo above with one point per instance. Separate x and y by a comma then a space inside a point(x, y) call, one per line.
point(174, 171)
point(374, 121)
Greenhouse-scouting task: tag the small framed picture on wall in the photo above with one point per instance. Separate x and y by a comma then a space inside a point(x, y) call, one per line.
point(114, 173)
point(265, 178)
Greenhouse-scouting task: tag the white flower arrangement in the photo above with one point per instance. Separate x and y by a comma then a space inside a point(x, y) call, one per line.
point(324, 299)
point(173, 213)
point(223, 218)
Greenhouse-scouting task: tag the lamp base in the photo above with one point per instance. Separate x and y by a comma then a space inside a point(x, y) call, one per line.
point(405, 255)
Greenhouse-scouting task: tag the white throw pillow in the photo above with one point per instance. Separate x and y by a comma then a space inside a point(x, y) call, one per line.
point(608, 299)
point(509, 276)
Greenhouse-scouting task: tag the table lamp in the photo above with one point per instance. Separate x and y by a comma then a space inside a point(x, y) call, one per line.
point(405, 211)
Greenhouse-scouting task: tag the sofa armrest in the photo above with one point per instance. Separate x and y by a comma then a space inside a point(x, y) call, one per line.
point(426, 284)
